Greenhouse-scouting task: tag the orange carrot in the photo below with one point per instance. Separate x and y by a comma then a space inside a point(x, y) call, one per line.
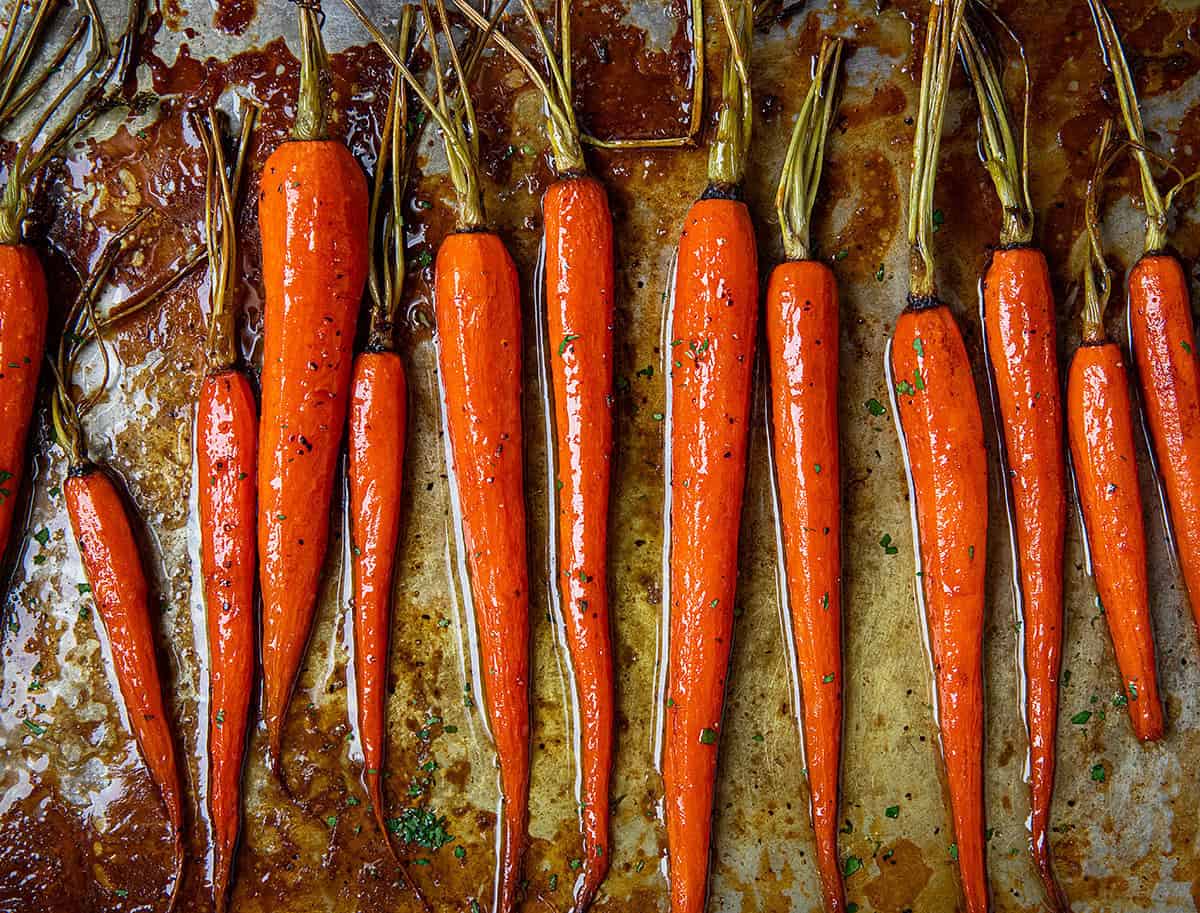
point(1023, 357)
point(1100, 426)
point(941, 429)
point(226, 456)
point(107, 544)
point(713, 326)
point(1163, 336)
point(478, 309)
point(313, 215)
point(802, 342)
point(578, 245)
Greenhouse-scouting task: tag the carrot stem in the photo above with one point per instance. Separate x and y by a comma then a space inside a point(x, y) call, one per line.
point(735, 122)
point(311, 112)
point(1097, 284)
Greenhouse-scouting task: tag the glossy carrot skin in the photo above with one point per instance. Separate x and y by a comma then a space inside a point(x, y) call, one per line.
point(313, 223)
point(23, 312)
point(378, 414)
point(943, 432)
point(579, 311)
point(1164, 347)
point(226, 455)
point(1100, 428)
point(1019, 317)
point(712, 360)
point(478, 306)
point(802, 341)
point(113, 566)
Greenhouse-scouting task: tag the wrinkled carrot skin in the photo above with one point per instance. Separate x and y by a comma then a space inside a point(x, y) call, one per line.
point(579, 299)
point(802, 341)
point(23, 312)
point(113, 565)
point(478, 306)
point(943, 434)
point(1164, 347)
point(313, 223)
point(378, 415)
point(1100, 428)
point(1019, 317)
point(226, 452)
point(712, 360)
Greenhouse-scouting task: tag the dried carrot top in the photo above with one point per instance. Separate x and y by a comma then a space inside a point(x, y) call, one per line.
point(735, 122)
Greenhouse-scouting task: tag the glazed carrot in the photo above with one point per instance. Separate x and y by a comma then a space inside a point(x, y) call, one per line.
point(712, 332)
point(108, 547)
point(226, 457)
point(578, 245)
point(941, 429)
point(802, 344)
point(1100, 429)
point(1018, 305)
point(1163, 336)
point(313, 218)
point(478, 310)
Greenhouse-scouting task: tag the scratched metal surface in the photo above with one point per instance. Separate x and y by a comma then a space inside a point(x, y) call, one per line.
point(79, 826)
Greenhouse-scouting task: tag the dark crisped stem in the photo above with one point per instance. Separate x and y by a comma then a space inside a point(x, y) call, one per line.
point(917, 302)
point(941, 37)
point(1096, 277)
point(311, 114)
point(1007, 164)
point(735, 122)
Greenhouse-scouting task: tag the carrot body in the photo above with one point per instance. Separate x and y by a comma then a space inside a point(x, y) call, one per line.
point(1019, 315)
point(478, 305)
point(226, 453)
point(712, 359)
point(313, 222)
point(378, 410)
point(579, 306)
point(1164, 346)
point(943, 435)
point(114, 571)
point(23, 311)
point(802, 338)
point(1100, 423)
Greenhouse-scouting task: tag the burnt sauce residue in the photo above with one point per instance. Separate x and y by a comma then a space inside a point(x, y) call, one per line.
point(81, 829)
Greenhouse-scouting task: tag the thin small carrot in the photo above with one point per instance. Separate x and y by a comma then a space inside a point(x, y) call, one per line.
point(802, 343)
point(1162, 335)
point(712, 329)
point(941, 429)
point(478, 308)
point(578, 246)
point(107, 544)
point(1100, 429)
point(226, 457)
point(313, 216)
point(1018, 305)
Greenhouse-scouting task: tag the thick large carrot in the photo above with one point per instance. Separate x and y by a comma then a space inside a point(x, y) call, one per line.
point(942, 432)
point(1100, 430)
point(477, 302)
point(313, 218)
point(1018, 305)
point(712, 328)
point(578, 245)
point(226, 458)
point(802, 342)
point(1162, 336)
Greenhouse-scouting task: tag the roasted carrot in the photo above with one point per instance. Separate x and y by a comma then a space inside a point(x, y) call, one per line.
point(23, 302)
point(802, 345)
point(712, 331)
point(478, 310)
point(107, 545)
point(1100, 430)
point(226, 457)
point(1018, 305)
point(941, 430)
point(313, 216)
point(578, 246)
point(1162, 335)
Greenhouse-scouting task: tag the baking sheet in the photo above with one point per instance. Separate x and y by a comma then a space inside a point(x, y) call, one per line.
point(80, 828)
